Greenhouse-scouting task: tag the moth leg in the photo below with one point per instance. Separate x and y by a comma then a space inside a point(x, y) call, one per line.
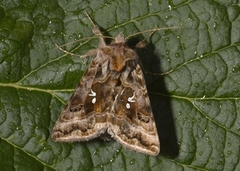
point(90, 53)
point(142, 43)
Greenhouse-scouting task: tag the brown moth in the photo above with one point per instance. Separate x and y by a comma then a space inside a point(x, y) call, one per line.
point(111, 99)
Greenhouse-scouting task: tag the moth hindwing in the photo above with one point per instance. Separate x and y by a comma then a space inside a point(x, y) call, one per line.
point(112, 99)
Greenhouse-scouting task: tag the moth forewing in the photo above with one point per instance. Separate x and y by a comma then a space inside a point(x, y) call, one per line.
point(111, 98)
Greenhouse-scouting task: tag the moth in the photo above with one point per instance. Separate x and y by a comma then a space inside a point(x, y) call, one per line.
point(111, 100)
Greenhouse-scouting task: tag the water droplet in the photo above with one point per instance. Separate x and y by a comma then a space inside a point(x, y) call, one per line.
point(167, 52)
point(169, 7)
point(132, 161)
point(20, 132)
point(4, 51)
point(167, 39)
point(3, 116)
point(197, 85)
point(177, 55)
point(80, 35)
point(96, 152)
point(18, 128)
point(47, 147)
point(229, 152)
point(63, 34)
point(215, 26)
point(195, 53)
point(99, 166)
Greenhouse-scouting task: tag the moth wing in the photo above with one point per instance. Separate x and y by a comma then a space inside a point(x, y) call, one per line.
point(77, 121)
point(135, 127)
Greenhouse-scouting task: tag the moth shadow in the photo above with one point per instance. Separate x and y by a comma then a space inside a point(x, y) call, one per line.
point(159, 97)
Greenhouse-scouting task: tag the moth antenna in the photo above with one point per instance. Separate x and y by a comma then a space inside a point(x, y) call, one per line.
point(152, 31)
point(157, 74)
point(97, 31)
point(142, 44)
point(70, 53)
point(90, 19)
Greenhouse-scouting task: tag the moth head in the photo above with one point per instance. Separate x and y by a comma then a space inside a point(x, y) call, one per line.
point(120, 38)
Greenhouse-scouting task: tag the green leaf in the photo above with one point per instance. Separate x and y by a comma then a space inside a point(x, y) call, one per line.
point(195, 104)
